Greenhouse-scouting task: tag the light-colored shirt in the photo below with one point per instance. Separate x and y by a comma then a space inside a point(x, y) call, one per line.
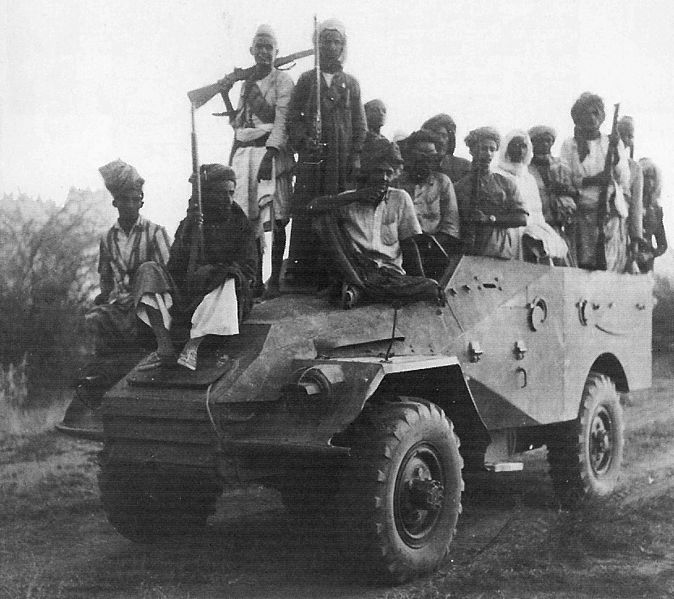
point(376, 231)
point(436, 207)
point(276, 89)
point(593, 164)
point(122, 254)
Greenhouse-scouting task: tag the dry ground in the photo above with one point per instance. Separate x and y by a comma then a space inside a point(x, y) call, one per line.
point(512, 542)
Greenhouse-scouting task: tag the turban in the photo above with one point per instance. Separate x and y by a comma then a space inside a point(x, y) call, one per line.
point(380, 152)
point(626, 123)
point(420, 137)
point(440, 120)
point(481, 133)
point(217, 172)
point(540, 130)
point(374, 104)
point(334, 25)
point(338, 26)
point(588, 102)
point(120, 177)
point(266, 31)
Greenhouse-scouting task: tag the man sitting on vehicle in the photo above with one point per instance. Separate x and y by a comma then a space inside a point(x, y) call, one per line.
point(134, 291)
point(369, 232)
point(434, 201)
point(216, 295)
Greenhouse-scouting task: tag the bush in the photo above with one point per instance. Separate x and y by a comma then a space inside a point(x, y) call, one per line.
point(48, 258)
point(663, 312)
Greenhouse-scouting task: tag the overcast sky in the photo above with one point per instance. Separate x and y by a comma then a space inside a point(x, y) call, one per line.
point(85, 82)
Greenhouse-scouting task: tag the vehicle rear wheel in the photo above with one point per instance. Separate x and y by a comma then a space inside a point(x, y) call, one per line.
point(146, 504)
point(400, 497)
point(585, 455)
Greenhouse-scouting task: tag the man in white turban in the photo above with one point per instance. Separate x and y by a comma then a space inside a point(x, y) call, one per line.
point(260, 155)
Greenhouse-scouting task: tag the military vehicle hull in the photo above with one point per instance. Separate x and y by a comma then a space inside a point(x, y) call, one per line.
point(514, 360)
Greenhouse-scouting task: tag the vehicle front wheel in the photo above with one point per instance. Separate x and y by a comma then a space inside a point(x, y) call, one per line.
point(146, 504)
point(400, 498)
point(585, 455)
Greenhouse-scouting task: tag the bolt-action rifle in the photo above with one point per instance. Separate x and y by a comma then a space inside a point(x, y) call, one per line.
point(316, 146)
point(200, 96)
point(603, 204)
point(195, 209)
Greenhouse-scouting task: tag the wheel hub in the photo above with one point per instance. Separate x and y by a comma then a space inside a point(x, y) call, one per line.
point(419, 494)
point(601, 447)
point(426, 494)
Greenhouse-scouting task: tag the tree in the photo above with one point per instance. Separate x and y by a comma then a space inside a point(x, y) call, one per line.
point(48, 258)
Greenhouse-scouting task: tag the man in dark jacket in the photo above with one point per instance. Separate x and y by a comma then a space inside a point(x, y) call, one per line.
point(330, 164)
point(217, 295)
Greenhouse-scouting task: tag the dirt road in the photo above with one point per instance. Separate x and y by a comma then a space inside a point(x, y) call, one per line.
point(512, 542)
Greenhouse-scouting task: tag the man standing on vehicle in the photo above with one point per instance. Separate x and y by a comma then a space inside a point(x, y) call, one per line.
point(375, 115)
point(260, 155)
point(329, 162)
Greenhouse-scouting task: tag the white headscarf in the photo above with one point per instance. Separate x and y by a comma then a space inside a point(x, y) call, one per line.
point(504, 162)
point(265, 31)
point(338, 26)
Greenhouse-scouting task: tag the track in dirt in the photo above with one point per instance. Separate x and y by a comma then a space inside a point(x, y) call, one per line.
point(511, 539)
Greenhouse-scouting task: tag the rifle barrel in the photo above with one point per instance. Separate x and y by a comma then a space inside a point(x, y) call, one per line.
point(201, 95)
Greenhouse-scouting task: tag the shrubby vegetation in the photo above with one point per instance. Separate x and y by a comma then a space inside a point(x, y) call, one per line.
point(663, 312)
point(48, 259)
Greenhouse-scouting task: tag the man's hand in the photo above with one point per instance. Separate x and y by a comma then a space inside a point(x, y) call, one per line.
point(198, 280)
point(264, 172)
point(372, 195)
point(477, 216)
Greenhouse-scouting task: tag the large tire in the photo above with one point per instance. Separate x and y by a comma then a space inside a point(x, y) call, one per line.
point(585, 455)
point(400, 497)
point(147, 504)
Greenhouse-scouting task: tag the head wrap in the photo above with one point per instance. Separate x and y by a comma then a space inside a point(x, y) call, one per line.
point(540, 130)
point(421, 136)
point(120, 177)
point(334, 25)
point(482, 133)
point(217, 172)
point(626, 123)
point(504, 160)
point(588, 101)
point(374, 103)
point(265, 31)
point(652, 171)
point(380, 152)
point(441, 120)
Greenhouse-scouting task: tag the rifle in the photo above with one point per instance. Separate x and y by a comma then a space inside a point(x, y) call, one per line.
point(316, 155)
point(602, 207)
point(200, 96)
point(195, 209)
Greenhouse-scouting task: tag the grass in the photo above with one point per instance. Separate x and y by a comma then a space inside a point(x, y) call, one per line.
point(17, 419)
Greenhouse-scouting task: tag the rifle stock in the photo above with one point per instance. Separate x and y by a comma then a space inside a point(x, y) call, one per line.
point(200, 96)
